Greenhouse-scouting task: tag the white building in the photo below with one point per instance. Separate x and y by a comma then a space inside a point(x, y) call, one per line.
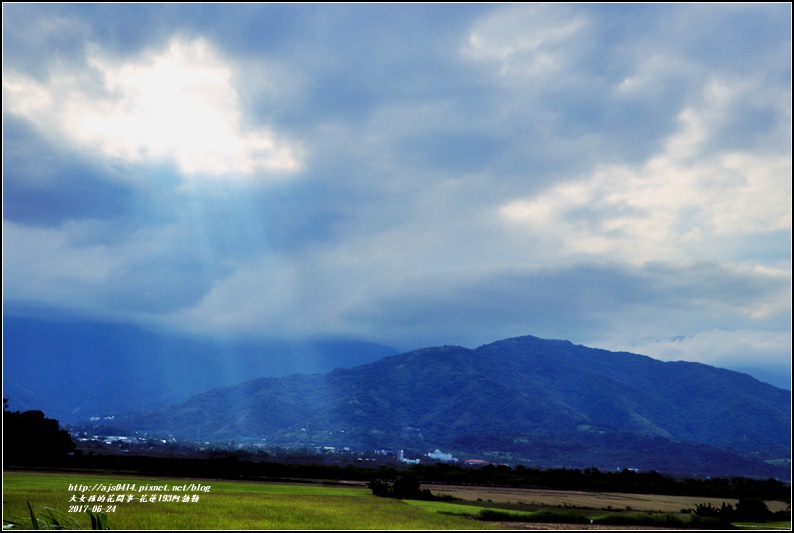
point(402, 459)
point(438, 455)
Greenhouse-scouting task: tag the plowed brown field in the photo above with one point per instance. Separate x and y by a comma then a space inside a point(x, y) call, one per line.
point(588, 500)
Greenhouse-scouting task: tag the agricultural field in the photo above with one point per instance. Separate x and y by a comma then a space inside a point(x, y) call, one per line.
point(228, 505)
point(621, 507)
point(145, 502)
point(605, 501)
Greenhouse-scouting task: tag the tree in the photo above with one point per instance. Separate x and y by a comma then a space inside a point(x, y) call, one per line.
point(747, 509)
point(380, 488)
point(752, 510)
point(30, 438)
point(405, 487)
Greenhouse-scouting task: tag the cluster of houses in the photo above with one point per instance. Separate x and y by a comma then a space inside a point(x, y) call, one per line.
point(118, 439)
point(438, 456)
point(125, 443)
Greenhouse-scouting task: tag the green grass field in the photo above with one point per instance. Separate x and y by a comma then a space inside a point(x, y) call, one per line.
point(764, 525)
point(229, 505)
point(244, 505)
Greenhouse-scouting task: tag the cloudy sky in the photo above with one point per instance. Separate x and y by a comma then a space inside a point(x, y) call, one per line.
point(414, 175)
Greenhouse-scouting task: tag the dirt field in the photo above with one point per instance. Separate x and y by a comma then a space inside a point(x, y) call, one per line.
point(588, 500)
point(571, 527)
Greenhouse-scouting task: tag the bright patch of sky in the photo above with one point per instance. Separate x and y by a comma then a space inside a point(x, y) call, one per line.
point(614, 175)
point(178, 104)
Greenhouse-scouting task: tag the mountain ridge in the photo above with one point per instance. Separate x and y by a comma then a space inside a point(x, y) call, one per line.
point(512, 394)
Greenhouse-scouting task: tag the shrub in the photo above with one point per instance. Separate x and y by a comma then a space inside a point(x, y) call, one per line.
point(49, 518)
point(403, 488)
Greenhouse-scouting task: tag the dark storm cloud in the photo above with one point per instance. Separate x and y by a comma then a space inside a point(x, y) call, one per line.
point(576, 303)
point(410, 174)
point(46, 185)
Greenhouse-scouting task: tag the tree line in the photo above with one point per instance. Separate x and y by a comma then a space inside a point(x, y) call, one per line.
point(31, 439)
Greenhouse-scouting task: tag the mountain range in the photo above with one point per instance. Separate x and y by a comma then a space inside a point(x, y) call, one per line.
point(76, 369)
point(528, 400)
point(525, 399)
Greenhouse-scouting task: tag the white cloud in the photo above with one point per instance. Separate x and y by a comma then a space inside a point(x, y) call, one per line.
point(527, 42)
point(178, 104)
point(716, 347)
point(688, 203)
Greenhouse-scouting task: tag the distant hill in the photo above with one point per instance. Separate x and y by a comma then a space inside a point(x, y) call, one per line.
point(78, 369)
point(544, 402)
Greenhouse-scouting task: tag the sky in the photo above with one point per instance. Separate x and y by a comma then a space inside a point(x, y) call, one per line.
point(616, 175)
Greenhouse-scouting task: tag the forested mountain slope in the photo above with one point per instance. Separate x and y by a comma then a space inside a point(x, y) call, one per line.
point(540, 400)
